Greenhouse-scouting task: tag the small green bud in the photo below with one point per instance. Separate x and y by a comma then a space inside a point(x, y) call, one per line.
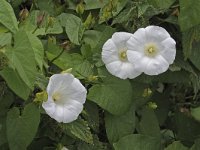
point(80, 8)
point(51, 39)
point(89, 21)
point(92, 78)
point(51, 21)
point(41, 97)
point(152, 105)
point(147, 92)
point(40, 19)
point(67, 71)
point(23, 14)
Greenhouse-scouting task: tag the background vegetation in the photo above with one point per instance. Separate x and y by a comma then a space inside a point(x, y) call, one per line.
point(39, 38)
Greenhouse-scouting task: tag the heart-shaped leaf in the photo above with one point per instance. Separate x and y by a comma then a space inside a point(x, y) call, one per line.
point(21, 129)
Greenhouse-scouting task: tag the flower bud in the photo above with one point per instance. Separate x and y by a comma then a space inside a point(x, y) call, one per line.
point(80, 8)
point(41, 97)
point(67, 71)
point(147, 92)
point(89, 21)
point(152, 105)
point(92, 78)
point(23, 14)
point(40, 19)
point(51, 21)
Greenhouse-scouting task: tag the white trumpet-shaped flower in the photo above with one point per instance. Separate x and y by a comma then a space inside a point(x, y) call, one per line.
point(152, 49)
point(114, 55)
point(66, 96)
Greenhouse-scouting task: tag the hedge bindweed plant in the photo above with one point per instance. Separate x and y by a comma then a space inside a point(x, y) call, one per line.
point(99, 75)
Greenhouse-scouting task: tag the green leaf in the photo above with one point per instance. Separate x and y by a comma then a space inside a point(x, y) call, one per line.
point(22, 57)
point(189, 14)
point(5, 101)
point(113, 95)
point(47, 5)
point(92, 115)
point(91, 4)
point(148, 124)
point(191, 39)
point(30, 24)
point(119, 126)
point(138, 142)
point(176, 146)
point(163, 103)
point(195, 53)
point(96, 38)
point(111, 9)
point(73, 27)
point(161, 4)
point(3, 29)
point(195, 112)
point(7, 16)
point(15, 83)
point(38, 49)
point(196, 145)
point(167, 77)
point(186, 127)
point(80, 130)
point(21, 129)
point(5, 38)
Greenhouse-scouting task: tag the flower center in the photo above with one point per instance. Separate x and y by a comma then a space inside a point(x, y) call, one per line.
point(56, 96)
point(151, 50)
point(123, 55)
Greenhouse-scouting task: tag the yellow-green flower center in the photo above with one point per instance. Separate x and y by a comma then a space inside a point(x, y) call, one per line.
point(123, 55)
point(151, 50)
point(56, 96)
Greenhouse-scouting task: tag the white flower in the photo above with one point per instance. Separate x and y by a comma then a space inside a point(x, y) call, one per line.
point(114, 55)
point(66, 96)
point(152, 49)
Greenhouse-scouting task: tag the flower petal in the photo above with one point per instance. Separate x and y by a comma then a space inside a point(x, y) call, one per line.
point(139, 36)
point(109, 52)
point(77, 91)
point(59, 81)
point(72, 110)
point(169, 51)
point(59, 113)
point(120, 38)
point(129, 70)
point(114, 68)
point(134, 56)
point(49, 107)
point(133, 45)
point(156, 34)
point(155, 66)
point(122, 70)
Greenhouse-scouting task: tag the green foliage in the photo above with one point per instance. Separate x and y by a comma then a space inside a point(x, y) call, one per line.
point(22, 126)
point(161, 4)
point(15, 83)
point(119, 126)
point(188, 18)
point(110, 93)
point(148, 124)
point(73, 27)
point(22, 58)
point(79, 129)
point(138, 142)
point(60, 35)
point(7, 16)
point(176, 146)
